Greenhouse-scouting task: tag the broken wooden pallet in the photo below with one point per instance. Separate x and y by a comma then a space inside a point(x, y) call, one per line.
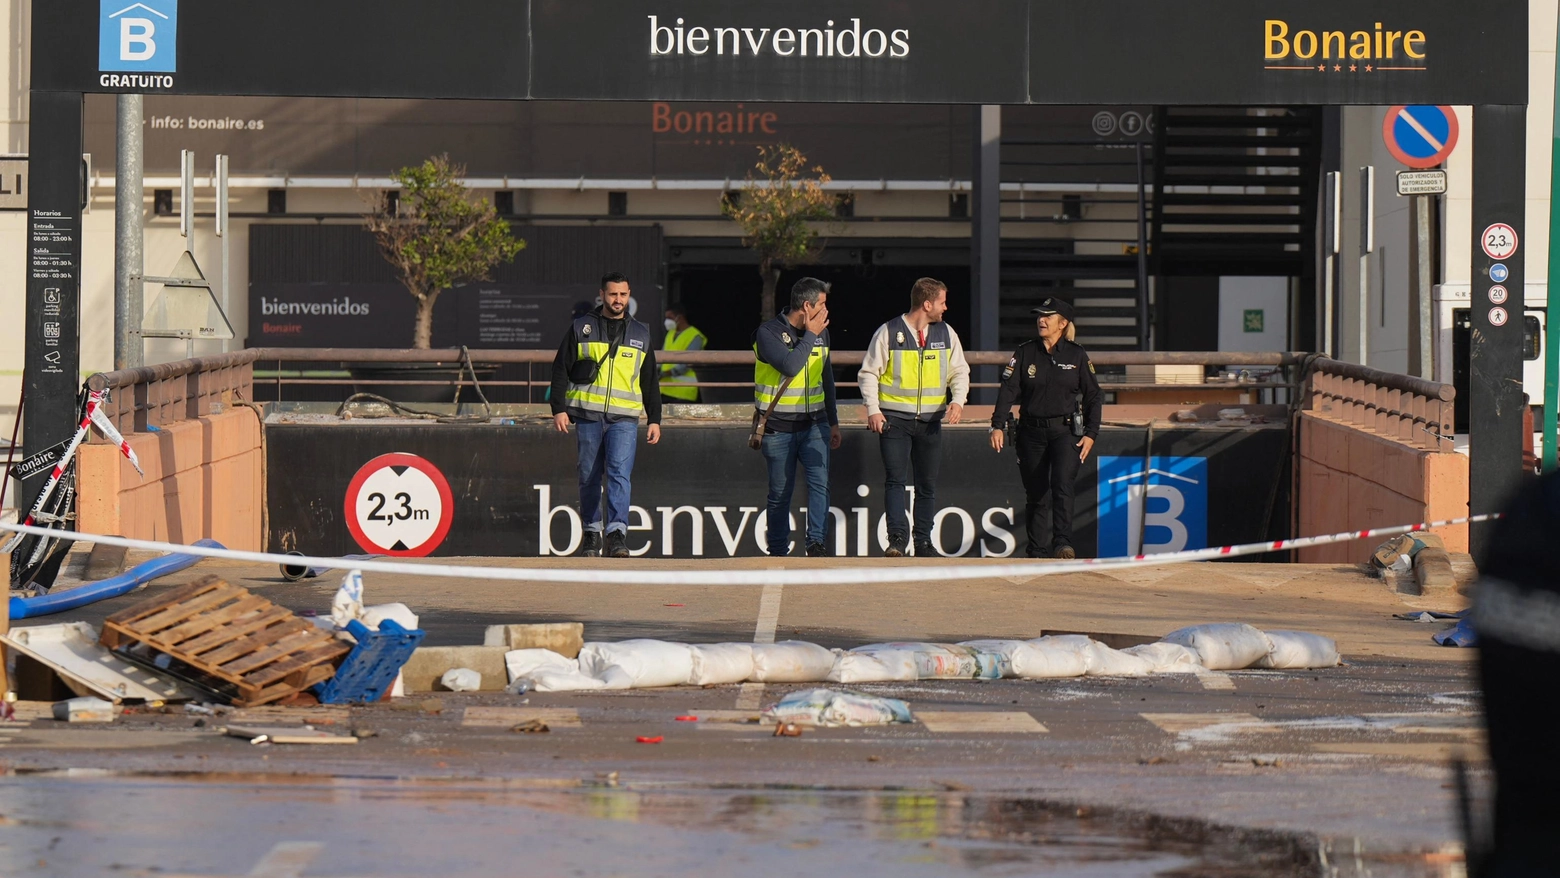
point(233, 642)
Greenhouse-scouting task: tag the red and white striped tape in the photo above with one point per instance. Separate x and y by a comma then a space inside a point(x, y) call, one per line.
point(716, 575)
point(106, 427)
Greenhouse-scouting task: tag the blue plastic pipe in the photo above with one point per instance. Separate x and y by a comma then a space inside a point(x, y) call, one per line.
point(114, 586)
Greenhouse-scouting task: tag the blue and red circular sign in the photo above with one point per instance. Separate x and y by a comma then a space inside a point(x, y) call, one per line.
point(1420, 135)
point(399, 504)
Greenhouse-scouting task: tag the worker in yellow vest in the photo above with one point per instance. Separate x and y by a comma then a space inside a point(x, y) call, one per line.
point(678, 380)
point(603, 382)
point(913, 374)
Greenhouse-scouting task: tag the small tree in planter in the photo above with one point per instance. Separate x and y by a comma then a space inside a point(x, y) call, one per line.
point(776, 209)
point(436, 234)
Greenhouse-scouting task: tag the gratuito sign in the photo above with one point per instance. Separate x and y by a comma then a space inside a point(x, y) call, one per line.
point(399, 504)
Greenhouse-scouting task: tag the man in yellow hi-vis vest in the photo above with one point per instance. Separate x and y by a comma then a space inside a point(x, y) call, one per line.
point(805, 426)
point(678, 380)
point(913, 373)
point(604, 378)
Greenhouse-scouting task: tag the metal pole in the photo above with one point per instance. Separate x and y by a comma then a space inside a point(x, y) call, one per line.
point(187, 198)
point(1142, 260)
point(1422, 303)
point(1367, 246)
point(986, 234)
point(1333, 245)
point(129, 254)
point(222, 233)
point(1552, 319)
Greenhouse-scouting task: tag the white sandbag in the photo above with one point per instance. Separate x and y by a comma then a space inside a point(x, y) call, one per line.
point(638, 664)
point(461, 680)
point(1031, 661)
point(548, 671)
point(1107, 662)
point(940, 661)
point(1077, 644)
point(874, 666)
point(401, 613)
point(791, 661)
point(1225, 646)
point(1299, 649)
point(1167, 658)
point(827, 707)
point(717, 663)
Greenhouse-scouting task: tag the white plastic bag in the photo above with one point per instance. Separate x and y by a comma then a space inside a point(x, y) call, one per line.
point(828, 707)
point(638, 664)
point(348, 602)
point(548, 671)
point(461, 680)
point(1299, 649)
point(869, 665)
point(1032, 661)
point(401, 613)
point(791, 661)
point(1167, 658)
point(938, 661)
point(716, 663)
point(1225, 646)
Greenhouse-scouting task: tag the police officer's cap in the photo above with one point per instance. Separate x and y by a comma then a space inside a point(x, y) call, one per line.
point(1054, 306)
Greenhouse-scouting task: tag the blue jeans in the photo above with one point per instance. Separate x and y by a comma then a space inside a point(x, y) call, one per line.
point(606, 447)
point(782, 451)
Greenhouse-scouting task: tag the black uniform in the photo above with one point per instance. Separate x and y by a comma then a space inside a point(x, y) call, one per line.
point(1047, 385)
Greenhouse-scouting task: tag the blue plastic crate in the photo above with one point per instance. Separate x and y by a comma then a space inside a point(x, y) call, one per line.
point(371, 667)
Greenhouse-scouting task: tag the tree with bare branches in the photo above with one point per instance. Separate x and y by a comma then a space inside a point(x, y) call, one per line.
point(778, 209)
point(435, 234)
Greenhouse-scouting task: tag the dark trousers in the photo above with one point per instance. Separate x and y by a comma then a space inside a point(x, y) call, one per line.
point(912, 449)
point(1048, 463)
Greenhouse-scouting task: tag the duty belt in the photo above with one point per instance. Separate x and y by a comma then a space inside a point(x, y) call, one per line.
point(1056, 421)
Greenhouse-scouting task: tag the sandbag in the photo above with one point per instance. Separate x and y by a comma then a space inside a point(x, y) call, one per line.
point(874, 666)
point(1031, 661)
point(1077, 644)
point(638, 664)
point(828, 707)
point(937, 661)
point(1225, 646)
point(718, 663)
point(791, 661)
point(1167, 658)
point(1107, 662)
point(548, 671)
point(1299, 649)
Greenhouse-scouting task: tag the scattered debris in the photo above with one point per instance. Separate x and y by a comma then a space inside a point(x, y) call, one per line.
point(509, 717)
point(71, 650)
point(828, 707)
point(287, 735)
point(427, 705)
point(532, 726)
point(788, 730)
point(686, 719)
point(221, 637)
point(86, 709)
point(647, 740)
point(360, 734)
point(373, 666)
point(461, 680)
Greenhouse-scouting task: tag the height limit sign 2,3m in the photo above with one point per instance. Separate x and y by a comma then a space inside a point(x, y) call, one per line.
point(399, 504)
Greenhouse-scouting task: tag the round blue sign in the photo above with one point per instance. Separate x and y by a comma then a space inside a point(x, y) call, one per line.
point(1499, 272)
point(1420, 136)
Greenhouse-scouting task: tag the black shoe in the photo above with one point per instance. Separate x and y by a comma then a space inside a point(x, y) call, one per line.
point(896, 546)
point(1033, 552)
point(590, 545)
point(617, 544)
point(817, 550)
point(925, 550)
point(1066, 553)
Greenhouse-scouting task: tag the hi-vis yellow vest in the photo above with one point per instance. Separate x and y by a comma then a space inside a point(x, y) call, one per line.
point(805, 392)
point(916, 380)
point(616, 389)
point(681, 386)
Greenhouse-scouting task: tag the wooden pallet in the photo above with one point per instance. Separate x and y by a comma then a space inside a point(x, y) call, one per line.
point(234, 642)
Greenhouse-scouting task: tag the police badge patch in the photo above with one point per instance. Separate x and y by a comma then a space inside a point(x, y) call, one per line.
point(585, 330)
point(785, 337)
point(1031, 370)
point(899, 338)
point(1091, 367)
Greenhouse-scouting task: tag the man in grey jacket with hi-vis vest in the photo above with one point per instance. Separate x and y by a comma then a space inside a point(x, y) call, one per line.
point(604, 379)
point(913, 373)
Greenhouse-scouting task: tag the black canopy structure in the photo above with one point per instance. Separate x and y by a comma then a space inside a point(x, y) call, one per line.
point(977, 52)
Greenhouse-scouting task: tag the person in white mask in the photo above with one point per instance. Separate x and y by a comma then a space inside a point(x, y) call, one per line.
point(678, 380)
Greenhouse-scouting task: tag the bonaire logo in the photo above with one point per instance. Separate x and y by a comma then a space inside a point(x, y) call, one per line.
point(1292, 46)
point(139, 36)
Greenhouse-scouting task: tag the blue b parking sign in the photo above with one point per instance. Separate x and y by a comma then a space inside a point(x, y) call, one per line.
point(1176, 496)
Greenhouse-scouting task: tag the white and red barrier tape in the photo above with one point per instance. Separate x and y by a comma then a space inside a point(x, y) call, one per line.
point(599, 572)
point(92, 416)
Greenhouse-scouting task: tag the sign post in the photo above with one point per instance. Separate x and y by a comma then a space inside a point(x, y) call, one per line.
point(1421, 137)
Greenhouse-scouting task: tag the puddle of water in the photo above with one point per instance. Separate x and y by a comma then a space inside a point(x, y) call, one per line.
point(230, 826)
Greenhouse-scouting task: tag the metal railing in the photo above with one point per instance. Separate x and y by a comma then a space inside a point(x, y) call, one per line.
point(167, 393)
point(1412, 410)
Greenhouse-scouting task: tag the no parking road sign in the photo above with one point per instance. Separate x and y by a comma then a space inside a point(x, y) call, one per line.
point(399, 504)
point(1420, 136)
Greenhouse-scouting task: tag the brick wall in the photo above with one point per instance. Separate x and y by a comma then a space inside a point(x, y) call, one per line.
point(203, 479)
point(1354, 479)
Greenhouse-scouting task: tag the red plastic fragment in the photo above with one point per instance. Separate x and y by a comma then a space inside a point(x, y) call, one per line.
point(644, 740)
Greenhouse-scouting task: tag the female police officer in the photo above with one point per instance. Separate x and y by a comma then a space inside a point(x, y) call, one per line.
point(1059, 400)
